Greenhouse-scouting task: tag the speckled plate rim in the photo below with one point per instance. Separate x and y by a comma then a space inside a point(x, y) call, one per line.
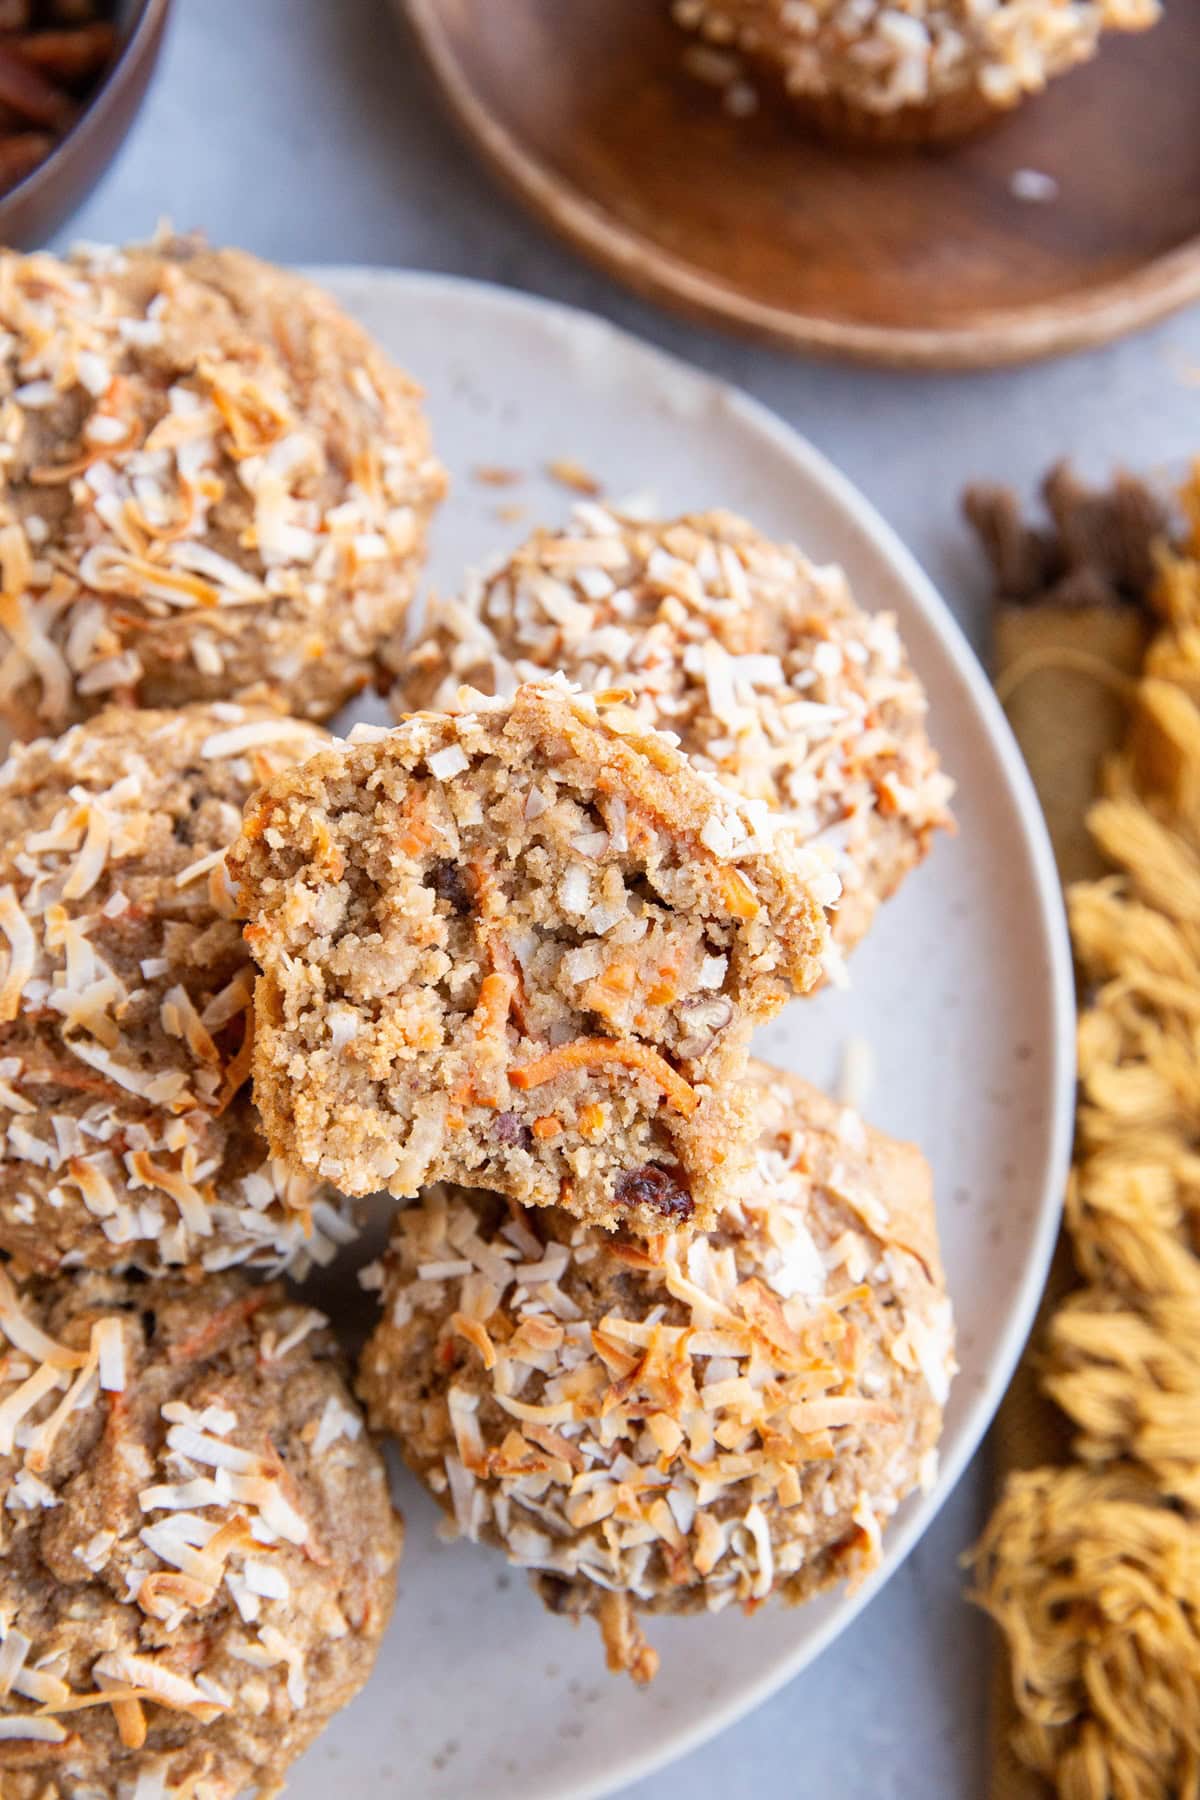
point(814, 471)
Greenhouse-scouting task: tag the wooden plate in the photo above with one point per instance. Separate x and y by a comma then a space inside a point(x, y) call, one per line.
point(918, 259)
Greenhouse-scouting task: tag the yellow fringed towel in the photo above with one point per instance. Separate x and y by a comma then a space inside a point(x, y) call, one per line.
point(1091, 1561)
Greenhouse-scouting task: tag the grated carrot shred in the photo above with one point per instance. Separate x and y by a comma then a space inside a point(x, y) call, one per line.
point(253, 426)
point(238, 1069)
point(737, 894)
point(416, 837)
point(505, 963)
point(491, 1008)
point(619, 977)
point(131, 1722)
point(591, 1120)
point(204, 1713)
point(611, 989)
point(590, 1053)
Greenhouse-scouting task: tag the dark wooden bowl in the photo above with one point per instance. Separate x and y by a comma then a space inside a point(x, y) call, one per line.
point(921, 259)
point(37, 206)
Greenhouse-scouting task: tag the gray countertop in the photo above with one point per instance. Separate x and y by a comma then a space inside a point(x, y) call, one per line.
point(304, 130)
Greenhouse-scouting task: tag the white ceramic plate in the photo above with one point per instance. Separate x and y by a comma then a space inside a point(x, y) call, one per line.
point(963, 992)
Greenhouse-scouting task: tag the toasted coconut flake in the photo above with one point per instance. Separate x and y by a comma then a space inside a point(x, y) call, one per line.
point(266, 1579)
point(476, 1334)
point(29, 1725)
point(336, 1421)
point(39, 1684)
point(202, 865)
point(705, 1437)
point(25, 1335)
point(857, 1073)
point(756, 1525)
point(199, 1447)
point(281, 1649)
point(110, 1339)
point(182, 1496)
point(303, 1321)
point(22, 1401)
point(180, 1019)
point(13, 1652)
point(192, 1204)
point(150, 1678)
point(22, 954)
point(276, 1509)
point(170, 1543)
point(42, 1441)
point(759, 662)
point(559, 1414)
point(89, 865)
point(164, 1590)
point(151, 1783)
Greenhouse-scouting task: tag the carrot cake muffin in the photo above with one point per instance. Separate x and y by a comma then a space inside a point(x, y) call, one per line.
point(522, 947)
point(199, 1550)
point(688, 1422)
point(770, 674)
point(212, 479)
point(915, 71)
point(127, 1133)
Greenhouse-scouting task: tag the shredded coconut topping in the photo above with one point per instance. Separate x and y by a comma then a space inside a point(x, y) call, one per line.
point(228, 505)
point(759, 662)
point(212, 1568)
point(883, 55)
point(662, 1419)
point(126, 1132)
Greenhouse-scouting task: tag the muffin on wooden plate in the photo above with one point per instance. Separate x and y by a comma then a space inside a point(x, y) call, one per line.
point(876, 71)
point(199, 1547)
point(212, 481)
point(677, 1425)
